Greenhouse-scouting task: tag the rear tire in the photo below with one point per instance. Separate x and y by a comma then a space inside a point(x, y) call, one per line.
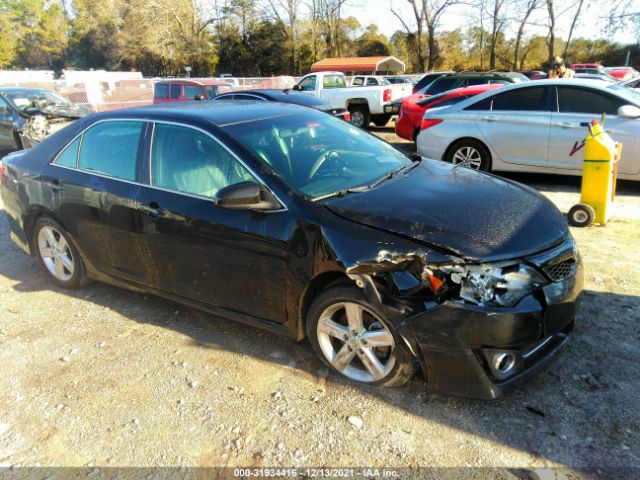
point(355, 340)
point(360, 115)
point(58, 255)
point(472, 153)
point(581, 215)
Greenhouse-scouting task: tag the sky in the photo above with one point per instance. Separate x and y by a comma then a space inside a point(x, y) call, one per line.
point(591, 25)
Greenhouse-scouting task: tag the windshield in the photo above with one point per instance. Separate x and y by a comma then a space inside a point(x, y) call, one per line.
point(631, 95)
point(24, 98)
point(316, 154)
point(213, 90)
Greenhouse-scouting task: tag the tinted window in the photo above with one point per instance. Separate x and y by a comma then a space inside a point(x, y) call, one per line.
point(358, 81)
point(446, 103)
point(581, 100)
point(225, 97)
point(161, 90)
point(308, 84)
point(442, 85)
point(481, 105)
point(427, 79)
point(529, 99)
point(371, 81)
point(111, 148)
point(175, 90)
point(189, 161)
point(69, 156)
point(191, 91)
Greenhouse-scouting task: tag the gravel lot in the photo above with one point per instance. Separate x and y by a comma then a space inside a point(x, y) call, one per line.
point(106, 377)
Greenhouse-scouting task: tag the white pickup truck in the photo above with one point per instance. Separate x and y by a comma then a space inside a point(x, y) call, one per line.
point(365, 104)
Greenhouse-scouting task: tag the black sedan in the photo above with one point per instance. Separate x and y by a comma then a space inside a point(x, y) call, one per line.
point(287, 96)
point(28, 115)
point(286, 218)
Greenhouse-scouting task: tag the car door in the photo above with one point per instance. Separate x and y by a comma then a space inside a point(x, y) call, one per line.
point(577, 106)
point(517, 126)
point(230, 259)
point(8, 141)
point(93, 182)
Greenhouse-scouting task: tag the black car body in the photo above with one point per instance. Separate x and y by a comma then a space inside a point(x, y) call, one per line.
point(286, 96)
point(473, 277)
point(28, 115)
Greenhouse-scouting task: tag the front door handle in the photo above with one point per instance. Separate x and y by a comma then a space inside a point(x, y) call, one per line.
point(153, 210)
point(565, 125)
point(489, 119)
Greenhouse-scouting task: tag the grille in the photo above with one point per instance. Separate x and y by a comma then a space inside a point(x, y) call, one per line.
point(561, 270)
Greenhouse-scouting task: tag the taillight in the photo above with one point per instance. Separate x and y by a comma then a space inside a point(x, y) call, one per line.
point(1, 171)
point(346, 117)
point(430, 122)
point(386, 95)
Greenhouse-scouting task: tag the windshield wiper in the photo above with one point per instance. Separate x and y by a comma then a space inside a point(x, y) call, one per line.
point(342, 192)
point(393, 173)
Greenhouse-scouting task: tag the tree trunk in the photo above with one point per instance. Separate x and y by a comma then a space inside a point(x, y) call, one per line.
point(573, 25)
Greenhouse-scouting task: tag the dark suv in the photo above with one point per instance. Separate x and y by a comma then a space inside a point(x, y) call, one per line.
point(450, 81)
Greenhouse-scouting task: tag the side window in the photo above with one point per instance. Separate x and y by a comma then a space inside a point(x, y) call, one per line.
point(333, 81)
point(581, 100)
point(358, 81)
point(246, 97)
point(5, 113)
point(308, 84)
point(523, 99)
point(111, 148)
point(69, 156)
point(191, 92)
point(161, 90)
point(481, 105)
point(224, 97)
point(371, 82)
point(441, 85)
point(186, 160)
point(176, 88)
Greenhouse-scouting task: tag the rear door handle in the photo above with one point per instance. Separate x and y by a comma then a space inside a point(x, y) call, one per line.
point(565, 125)
point(153, 210)
point(489, 119)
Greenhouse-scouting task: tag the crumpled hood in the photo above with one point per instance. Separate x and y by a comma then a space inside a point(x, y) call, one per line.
point(474, 215)
point(63, 110)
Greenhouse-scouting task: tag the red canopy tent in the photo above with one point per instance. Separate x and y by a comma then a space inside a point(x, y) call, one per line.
point(359, 64)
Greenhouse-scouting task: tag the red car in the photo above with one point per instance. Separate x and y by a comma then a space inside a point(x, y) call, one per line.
point(413, 107)
point(622, 73)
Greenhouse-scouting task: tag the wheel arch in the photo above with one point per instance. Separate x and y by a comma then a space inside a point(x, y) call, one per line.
point(29, 220)
point(448, 150)
point(316, 286)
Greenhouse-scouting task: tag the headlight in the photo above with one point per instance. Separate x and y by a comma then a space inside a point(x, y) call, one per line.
point(503, 284)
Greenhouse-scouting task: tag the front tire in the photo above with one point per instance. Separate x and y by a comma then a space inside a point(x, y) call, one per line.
point(58, 256)
point(470, 153)
point(355, 340)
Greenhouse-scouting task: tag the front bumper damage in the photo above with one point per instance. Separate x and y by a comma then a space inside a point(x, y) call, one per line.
point(482, 351)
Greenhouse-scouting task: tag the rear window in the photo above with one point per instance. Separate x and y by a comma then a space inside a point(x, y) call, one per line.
point(481, 105)
point(161, 90)
point(358, 81)
point(524, 99)
point(333, 81)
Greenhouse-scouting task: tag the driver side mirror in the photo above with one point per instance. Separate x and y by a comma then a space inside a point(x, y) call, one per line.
point(199, 97)
point(629, 111)
point(246, 196)
point(297, 88)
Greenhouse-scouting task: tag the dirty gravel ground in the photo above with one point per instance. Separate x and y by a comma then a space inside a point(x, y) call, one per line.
point(106, 377)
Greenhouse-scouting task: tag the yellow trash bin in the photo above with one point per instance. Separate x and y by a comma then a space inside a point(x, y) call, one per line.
point(601, 156)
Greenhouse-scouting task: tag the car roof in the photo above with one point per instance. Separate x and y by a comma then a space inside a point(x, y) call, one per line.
point(195, 81)
point(585, 82)
point(23, 89)
point(217, 113)
point(285, 96)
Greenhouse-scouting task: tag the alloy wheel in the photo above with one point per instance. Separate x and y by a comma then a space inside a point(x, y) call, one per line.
point(56, 253)
point(468, 157)
point(356, 342)
point(357, 118)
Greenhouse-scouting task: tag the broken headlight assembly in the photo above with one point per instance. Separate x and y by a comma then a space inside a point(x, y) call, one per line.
point(500, 284)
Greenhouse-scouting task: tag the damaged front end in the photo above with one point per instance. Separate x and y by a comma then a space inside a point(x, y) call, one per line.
point(476, 327)
point(43, 119)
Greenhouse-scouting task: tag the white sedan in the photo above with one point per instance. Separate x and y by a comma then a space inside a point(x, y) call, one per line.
point(534, 127)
